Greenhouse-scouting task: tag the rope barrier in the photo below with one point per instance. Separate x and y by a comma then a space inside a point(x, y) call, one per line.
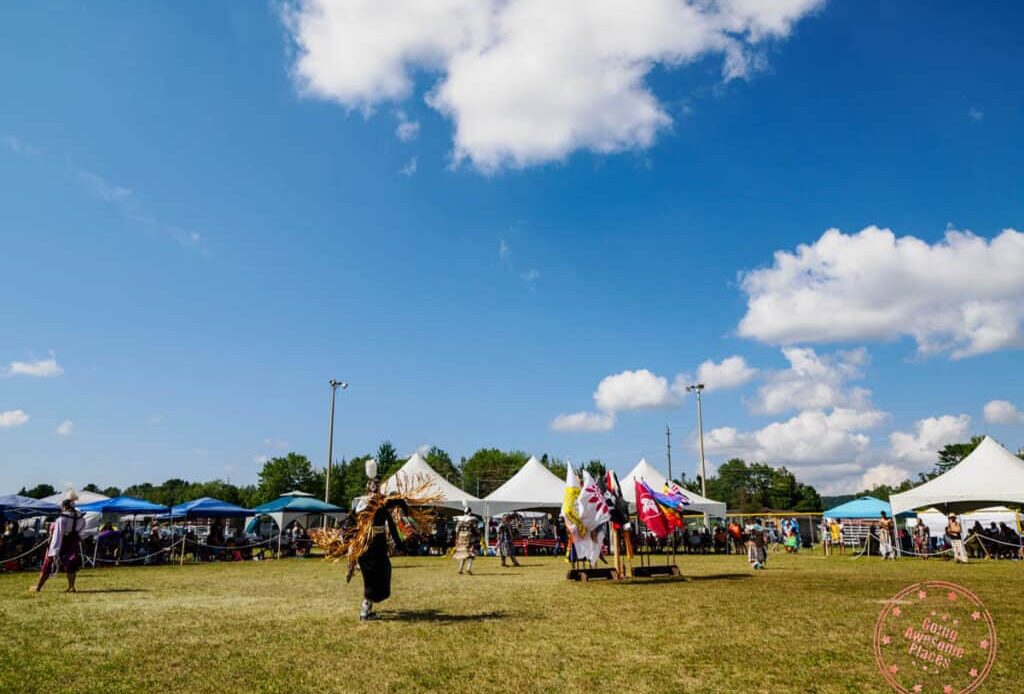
point(257, 544)
point(21, 556)
point(900, 550)
point(168, 548)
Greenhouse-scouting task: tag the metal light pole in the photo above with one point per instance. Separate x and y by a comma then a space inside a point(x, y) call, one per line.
point(697, 388)
point(668, 449)
point(330, 442)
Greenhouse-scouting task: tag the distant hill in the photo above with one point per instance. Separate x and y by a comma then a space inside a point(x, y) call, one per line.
point(828, 502)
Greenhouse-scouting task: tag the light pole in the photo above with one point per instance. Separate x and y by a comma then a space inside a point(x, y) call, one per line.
point(697, 388)
point(330, 442)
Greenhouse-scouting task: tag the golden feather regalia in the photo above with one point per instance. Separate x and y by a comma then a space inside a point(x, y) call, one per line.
point(362, 540)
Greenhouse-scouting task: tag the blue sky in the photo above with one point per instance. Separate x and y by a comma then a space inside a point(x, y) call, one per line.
point(207, 211)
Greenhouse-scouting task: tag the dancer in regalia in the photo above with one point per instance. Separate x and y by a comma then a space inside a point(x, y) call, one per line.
point(506, 535)
point(65, 550)
point(364, 538)
point(467, 539)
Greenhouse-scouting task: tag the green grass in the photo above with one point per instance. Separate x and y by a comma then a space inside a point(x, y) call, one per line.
point(803, 625)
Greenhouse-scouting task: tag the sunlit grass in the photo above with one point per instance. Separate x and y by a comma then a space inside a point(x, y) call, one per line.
point(805, 624)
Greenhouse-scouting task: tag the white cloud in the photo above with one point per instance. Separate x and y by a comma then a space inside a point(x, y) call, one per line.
point(527, 81)
point(409, 169)
point(1003, 412)
point(504, 250)
point(828, 449)
point(12, 418)
point(66, 428)
point(963, 295)
point(531, 275)
point(19, 146)
point(633, 390)
point(156, 419)
point(731, 372)
point(584, 421)
point(883, 473)
point(260, 459)
point(813, 381)
point(40, 368)
point(102, 188)
point(407, 130)
point(921, 446)
point(975, 114)
point(279, 444)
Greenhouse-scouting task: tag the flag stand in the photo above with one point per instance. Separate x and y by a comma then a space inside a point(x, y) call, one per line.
point(580, 571)
point(647, 569)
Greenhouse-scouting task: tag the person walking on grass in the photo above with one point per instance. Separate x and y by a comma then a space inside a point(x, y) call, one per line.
point(65, 550)
point(922, 539)
point(955, 533)
point(756, 555)
point(467, 539)
point(506, 548)
point(885, 536)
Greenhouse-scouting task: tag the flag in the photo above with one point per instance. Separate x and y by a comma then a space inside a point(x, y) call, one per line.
point(591, 507)
point(649, 511)
point(592, 512)
point(675, 490)
point(572, 492)
point(616, 503)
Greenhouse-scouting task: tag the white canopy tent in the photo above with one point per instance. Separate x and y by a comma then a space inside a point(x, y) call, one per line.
point(989, 476)
point(416, 467)
point(532, 487)
point(645, 472)
point(92, 520)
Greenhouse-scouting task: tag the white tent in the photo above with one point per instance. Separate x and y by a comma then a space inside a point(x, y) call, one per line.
point(645, 472)
point(92, 520)
point(936, 520)
point(533, 486)
point(989, 476)
point(416, 467)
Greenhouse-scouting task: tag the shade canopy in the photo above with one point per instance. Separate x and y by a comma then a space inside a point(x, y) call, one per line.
point(533, 486)
point(208, 507)
point(416, 468)
point(989, 476)
point(864, 507)
point(645, 472)
point(124, 506)
point(92, 520)
point(14, 506)
point(296, 508)
point(300, 504)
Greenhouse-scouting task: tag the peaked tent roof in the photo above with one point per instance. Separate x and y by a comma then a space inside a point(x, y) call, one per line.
point(123, 505)
point(451, 496)
point(989, 476)
point(645, 472)
point(296, 504)
point(14, 506)
point(533, 486)
point(864, 507)
point(208, 507)
point(84, 497)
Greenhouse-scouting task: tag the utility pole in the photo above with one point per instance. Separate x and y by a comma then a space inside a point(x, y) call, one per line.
point(668, 447)
point(334, 384)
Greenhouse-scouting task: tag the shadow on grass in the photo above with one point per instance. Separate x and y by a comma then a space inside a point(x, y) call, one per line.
point(439, 617)
point(111, 590)
point(719, 577)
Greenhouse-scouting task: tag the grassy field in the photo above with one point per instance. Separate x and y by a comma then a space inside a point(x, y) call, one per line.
point(803, 625)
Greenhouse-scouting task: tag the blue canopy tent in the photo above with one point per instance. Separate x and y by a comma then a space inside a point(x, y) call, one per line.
point(206, 507)
point(295, 506)
point(866, 507)
point(124, 506)
point(14, 507)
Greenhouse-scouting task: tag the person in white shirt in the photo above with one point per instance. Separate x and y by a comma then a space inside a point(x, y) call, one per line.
point(65, 550)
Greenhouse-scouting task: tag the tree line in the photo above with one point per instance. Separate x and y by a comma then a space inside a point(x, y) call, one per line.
point(743, 486)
